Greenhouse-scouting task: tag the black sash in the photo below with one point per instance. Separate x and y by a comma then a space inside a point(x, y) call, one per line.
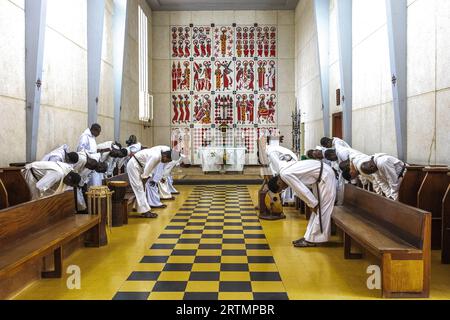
point(139, 163)
point(403, 171)
point(34, 174)
point(318, 196)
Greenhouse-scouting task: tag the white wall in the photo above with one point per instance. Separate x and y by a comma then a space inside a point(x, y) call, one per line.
point(161, 62)
point(12, 81)
point(373, 117)
point(63, 115)
point(130, 123)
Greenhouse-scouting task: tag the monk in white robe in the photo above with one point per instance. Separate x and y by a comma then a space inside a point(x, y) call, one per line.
point(280, 157)
point(62, 154)
point(167, 175)
point(46, 178)
point(140, 169)
point(132, 149)
point(333, 143)
point(387, 171)
point(366, 180)
point(110, 155)
point(301, 176)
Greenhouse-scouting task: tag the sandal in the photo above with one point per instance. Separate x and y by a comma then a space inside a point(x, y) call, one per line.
point(299, 240)
point(304, 244)
point(149, 215)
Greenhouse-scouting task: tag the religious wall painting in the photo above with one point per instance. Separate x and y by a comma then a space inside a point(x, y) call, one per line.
point(266, 109)
point(266, 41)
point(181, 42)
point(224, 75)
point(223, 41)
point(245, 108)
point(202, 75)
point(202, 42)
point(224, 138)
point(246, 137)
point(202, 138)
point(202, 112)
point(266, 74)
point(268, 132)
point(181, 76)
point(245, 42)
point(181, 143)
point(181, 109)
point(223, 109)
point(245, 75)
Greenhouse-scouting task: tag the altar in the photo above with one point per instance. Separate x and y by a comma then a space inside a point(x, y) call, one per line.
point(222, 159)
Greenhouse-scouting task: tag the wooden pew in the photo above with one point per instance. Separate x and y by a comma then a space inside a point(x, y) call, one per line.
point(430, 197)
point(16, 186)
point(4, 202)
point(411, 183)
point(32, 232)
point(446, 226)
point(397, 234)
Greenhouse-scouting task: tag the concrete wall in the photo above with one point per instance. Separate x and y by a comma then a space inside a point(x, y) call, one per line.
point(12, 81)
point(130, 123)
point(161, 62)
point(373, 117)
point(63, 115)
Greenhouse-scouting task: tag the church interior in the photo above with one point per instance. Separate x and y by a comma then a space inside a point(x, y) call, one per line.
point(224, 150)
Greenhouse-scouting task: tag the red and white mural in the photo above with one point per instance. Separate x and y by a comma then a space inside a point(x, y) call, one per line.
point(223, 75)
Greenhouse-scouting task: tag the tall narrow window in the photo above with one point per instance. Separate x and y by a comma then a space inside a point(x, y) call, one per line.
point(144, 97)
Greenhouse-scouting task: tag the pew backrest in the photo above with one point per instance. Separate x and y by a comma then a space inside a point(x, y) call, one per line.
point(16, 186)
point(403, 221)
point(24, 219)
point(411, 184)
point(4, 203)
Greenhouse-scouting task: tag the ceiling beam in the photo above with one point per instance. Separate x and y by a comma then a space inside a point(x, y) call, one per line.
point(397, 32)
point(119, 35)
point(35, 24)
point(345, 39)
point(322, 15)
point(202, 5)
point(95, 20)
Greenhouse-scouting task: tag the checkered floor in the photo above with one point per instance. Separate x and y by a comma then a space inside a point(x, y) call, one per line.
point(213, 249)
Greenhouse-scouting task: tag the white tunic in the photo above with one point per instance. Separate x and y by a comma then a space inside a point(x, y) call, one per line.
point(279, 157)
point(337, 142)
point(389, 170)
point(131, 150)
point(45, 178)
point(57, 155)
point(358, 160)
point(87, 142)
point(141, 167)
point(300, 177)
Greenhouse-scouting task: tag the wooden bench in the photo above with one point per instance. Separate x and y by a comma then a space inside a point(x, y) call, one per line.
point(446, 226)
point(397, 234)
point(16, 186)
point(411, 183)
point(430, 197)
point(4, 202)
point(38, 229)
